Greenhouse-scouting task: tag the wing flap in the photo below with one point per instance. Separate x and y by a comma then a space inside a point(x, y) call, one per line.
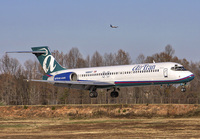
point(75, 82)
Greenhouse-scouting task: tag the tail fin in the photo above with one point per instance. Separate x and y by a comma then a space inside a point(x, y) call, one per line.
point(47, 61)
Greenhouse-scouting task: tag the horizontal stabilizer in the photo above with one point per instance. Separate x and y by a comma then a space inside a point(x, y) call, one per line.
point(33, 52)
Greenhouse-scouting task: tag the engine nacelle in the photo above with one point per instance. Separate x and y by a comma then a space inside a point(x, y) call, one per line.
point(68, 76)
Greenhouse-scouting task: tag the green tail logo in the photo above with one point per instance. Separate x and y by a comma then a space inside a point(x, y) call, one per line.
point(47, 61)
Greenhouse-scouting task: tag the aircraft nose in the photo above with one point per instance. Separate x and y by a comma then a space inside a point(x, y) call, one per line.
point(191, 77)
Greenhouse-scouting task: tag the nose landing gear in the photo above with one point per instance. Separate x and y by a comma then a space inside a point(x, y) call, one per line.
point(183, 89)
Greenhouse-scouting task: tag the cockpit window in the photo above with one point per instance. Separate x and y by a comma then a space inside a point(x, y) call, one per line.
point(178, 68)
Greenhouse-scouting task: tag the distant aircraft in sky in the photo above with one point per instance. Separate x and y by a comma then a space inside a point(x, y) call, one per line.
point(113, 26)
point(110, 77)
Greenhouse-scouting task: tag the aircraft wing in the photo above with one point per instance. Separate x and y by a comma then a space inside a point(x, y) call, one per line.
point(86, 85)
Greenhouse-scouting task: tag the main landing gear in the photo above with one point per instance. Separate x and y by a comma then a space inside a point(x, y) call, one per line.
point(93, 94)
point(114, 93)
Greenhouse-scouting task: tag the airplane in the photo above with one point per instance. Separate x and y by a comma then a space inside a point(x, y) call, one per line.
point(113, 26)
point(109, 77)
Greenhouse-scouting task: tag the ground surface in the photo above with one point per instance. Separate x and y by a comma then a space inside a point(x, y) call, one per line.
point(100, 128)
point(100, 121)
point(99, 111)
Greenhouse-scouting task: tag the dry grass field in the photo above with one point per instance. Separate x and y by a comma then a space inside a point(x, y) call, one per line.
point(52, 128)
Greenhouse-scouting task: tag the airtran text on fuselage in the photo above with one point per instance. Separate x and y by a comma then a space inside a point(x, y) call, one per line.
point(144, 67)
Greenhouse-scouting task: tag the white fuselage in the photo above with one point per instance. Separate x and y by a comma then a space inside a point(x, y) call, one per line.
point(133, 75)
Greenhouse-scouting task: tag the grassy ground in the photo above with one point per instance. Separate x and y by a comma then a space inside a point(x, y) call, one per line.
point(101, 128)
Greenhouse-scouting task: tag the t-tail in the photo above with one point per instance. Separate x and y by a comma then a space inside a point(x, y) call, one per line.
point(48, 62)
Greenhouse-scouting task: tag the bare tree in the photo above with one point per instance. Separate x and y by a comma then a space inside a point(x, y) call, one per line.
point(123, 58)
point(165, 56)
point(87, 60)
point(9, 65)
point(109, 59)
point(140, 59)
point(169, 50)
point(81, 63)
point(72, 58)
point(97, 60)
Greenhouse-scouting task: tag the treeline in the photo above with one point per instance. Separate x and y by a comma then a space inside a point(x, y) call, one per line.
point(14, 90)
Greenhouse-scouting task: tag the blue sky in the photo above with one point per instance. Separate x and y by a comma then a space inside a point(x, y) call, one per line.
point(145, 26)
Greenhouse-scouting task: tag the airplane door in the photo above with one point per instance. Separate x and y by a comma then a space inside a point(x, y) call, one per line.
point(165, 72)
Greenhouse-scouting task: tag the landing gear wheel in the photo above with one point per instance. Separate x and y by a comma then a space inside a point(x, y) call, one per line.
point(183, 89)
point(114, 94)
point(93, 94)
